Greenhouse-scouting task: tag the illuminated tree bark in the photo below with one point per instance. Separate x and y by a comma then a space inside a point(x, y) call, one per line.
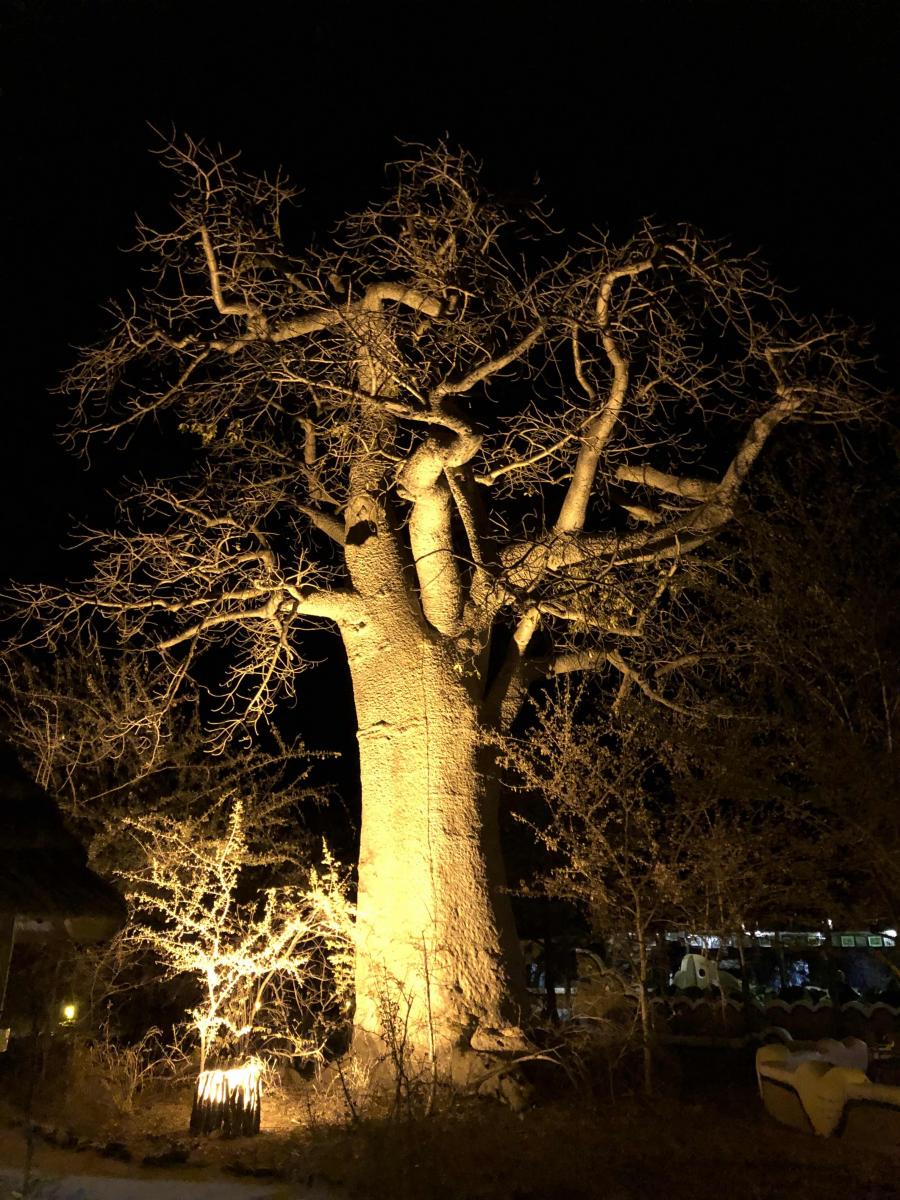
point(435, 942)
point(481, 469)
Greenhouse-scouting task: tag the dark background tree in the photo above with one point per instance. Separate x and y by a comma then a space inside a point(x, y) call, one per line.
point(77, 720)
point(825, 568)
point(654, 821)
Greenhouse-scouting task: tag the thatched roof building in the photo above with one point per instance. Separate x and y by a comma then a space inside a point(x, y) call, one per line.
point(47, 890)
point(44, 877)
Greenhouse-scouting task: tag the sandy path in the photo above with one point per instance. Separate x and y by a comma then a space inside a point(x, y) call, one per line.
point(112, 1187)
point(106, 1187)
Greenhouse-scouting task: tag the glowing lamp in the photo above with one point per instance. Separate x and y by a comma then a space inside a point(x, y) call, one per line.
point(69, 1012)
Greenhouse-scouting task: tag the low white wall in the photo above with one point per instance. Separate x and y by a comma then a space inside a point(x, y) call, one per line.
point(819, 1085)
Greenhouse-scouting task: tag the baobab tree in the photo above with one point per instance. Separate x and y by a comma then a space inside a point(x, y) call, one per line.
point(480, 456)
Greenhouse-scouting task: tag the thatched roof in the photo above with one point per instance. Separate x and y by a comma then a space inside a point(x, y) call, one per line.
point(45, 882)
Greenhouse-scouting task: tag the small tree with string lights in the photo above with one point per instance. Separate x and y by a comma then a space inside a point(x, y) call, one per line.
point(269, 966)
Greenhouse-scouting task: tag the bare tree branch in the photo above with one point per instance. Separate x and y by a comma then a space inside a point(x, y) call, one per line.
point(427, 398)
point(690, 489)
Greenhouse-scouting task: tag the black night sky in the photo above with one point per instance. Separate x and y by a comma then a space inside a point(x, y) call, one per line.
point(774, 123)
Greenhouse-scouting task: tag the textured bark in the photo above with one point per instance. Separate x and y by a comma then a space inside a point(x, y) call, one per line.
point(437, 957)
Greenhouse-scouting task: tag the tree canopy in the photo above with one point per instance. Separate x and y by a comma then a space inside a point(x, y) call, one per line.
point(538, 433)
point(483, 451)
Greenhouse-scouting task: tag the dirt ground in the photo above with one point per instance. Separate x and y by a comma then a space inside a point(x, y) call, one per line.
point(696, 1139)
point(151, 1142)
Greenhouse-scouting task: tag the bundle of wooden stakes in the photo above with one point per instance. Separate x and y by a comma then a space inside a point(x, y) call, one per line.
point(229, 1100)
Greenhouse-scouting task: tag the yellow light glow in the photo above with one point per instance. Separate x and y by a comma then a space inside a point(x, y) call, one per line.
point(244, 1082)
point(69, 1012)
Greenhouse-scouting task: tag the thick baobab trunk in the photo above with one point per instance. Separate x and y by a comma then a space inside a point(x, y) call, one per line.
point(437, 959)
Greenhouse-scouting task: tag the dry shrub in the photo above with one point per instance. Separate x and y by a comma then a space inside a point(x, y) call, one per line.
point(106, 1076)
